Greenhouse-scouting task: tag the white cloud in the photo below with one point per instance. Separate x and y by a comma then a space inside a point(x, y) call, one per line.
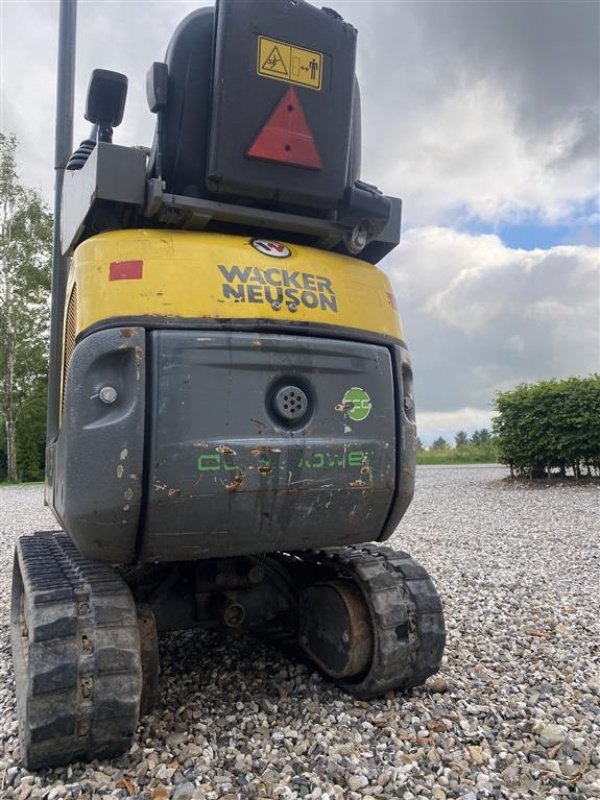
point(466, 156)
point(484, 108)
point(481, 317)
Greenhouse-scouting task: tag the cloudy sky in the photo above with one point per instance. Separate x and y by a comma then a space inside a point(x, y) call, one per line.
point(481, 115)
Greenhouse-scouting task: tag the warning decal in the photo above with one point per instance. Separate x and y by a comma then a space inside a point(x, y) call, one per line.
point(274, 65)
point(286, 62)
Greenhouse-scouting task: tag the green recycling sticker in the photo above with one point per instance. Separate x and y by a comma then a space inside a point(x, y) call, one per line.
point(357, 404)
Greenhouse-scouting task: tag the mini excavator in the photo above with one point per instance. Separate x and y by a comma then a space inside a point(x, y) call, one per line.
point(231, 424)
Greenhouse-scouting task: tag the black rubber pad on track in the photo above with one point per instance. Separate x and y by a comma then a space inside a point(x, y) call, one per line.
point(76, 652)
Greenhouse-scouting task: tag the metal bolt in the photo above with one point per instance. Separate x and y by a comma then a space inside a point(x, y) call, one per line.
point(293, 307)
point(233, 615)
point(276, 305)
point(108, 395)
point(357, 238)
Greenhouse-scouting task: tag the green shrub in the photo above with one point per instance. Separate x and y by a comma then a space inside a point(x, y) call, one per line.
point(551, 426)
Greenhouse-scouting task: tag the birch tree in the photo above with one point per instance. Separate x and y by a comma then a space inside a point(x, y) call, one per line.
point(25, 258)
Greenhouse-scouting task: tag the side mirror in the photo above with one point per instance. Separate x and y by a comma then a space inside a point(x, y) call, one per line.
point(106, 101)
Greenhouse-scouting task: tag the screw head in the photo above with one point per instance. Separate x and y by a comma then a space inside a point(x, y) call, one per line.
point(108, 395)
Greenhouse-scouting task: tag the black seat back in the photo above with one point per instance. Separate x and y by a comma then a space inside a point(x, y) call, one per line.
point(184, 126)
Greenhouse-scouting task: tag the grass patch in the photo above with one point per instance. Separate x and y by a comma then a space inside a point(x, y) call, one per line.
point(21, 483)
point(454, 457)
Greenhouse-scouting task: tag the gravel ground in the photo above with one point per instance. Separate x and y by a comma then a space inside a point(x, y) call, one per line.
point(514, 713)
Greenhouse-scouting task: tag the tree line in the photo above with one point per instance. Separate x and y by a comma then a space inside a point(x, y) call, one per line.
point(479, 448)
point(25, 269)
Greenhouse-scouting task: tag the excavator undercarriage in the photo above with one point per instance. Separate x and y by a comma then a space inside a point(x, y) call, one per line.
point(85, 636)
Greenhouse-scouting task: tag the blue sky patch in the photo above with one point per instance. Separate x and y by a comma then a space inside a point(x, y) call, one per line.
point(531, 232)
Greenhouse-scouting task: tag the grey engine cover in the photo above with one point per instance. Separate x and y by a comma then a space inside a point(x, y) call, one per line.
point(232, 471)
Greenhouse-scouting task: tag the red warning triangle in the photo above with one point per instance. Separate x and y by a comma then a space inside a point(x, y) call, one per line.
point(286, 138)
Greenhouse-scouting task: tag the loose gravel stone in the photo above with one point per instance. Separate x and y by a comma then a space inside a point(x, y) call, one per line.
point(185, 791)
point(551, 735)
point(513, 714)
point(438, 685)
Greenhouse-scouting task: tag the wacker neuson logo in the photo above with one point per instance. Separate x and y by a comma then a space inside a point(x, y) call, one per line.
point(277, 287)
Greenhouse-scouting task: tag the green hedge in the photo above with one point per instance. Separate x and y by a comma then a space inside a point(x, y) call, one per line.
point(550, 427)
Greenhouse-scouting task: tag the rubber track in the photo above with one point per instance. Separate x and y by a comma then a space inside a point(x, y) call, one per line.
point(78, 666)
point(406, 611)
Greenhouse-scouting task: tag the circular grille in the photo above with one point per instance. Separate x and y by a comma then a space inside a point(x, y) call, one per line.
point(290, 403)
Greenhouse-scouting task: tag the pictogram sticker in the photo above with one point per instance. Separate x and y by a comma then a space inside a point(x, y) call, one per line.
point(286, 62)
point(274, 65)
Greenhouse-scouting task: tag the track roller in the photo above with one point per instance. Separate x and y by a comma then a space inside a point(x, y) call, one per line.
point(77, 654)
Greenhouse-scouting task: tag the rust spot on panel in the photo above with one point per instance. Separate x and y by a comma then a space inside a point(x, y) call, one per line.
point(357, 484)
point(344, 406)
point(225, 450)
point(259, 451)
point(128, 494)
point(126, 333)
point(120, 471)
point(236, 483)
point(163, 487)
point(265, 470)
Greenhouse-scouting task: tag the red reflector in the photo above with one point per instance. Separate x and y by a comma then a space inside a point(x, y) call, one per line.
point(125, 270)
point(286, 138)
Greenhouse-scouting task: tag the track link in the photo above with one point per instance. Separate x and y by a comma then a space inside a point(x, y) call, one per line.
point(76, 650)
point(407, 620)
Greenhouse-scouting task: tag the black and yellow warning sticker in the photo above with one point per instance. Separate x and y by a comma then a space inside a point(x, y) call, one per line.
point(287, 62)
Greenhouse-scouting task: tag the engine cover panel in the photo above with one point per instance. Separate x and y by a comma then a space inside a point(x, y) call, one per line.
point(262, 442)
